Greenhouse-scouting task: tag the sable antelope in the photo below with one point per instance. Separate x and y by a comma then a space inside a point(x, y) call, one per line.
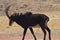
point(27, 20)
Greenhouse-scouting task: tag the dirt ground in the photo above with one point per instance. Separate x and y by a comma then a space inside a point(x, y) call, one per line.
point(27, 37)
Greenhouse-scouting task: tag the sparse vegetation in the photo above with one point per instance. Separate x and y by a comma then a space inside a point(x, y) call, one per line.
point(49, 7)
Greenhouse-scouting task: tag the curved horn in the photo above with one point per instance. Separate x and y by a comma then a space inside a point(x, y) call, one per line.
point(6, 11)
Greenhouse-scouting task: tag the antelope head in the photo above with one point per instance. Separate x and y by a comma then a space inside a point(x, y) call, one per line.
point(10, 17)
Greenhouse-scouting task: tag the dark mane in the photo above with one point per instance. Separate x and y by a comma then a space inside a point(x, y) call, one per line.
point(28, 13)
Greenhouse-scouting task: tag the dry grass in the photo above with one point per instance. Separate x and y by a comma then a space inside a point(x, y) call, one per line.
point(15, 32)
point(54, 24)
